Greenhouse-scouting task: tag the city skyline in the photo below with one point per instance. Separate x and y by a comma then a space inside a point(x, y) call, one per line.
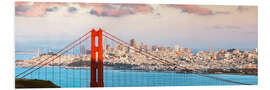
point(139, 46)
point(53, 25)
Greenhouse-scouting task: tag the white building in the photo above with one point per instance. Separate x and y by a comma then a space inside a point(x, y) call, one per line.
point(176, 47)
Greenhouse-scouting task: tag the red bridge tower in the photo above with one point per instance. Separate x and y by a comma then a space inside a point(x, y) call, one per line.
point(96, 64)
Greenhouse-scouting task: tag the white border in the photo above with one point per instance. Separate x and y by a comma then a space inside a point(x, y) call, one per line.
point(7, 40)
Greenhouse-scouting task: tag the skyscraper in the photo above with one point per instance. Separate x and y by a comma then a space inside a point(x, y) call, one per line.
point(82, 50)
point(118, 47)
point(154, 48)
point(176, 48)
point(162, 48)
point(141, 47)
point(187, 51)
point(38, 52)
point(133, 43)
point(169, 49)
point(211, 49)
point(180, 51)
point(105, 46)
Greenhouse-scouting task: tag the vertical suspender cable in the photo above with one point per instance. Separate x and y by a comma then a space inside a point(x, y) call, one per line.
point(66, 77)
point(80, 64)
point(66, 69)
point(46, 72)
point(113, 63)
point(89, 73)
point(53, 70)
point(73, 73)
point(38, 73)
point(59, 69)
point(141, 71)
point(86, 69)
point(106, 73)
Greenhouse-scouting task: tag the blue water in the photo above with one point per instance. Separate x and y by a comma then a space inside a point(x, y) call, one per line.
point(126, 78)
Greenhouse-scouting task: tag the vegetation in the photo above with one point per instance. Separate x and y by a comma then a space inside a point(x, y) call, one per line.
point(34, 83)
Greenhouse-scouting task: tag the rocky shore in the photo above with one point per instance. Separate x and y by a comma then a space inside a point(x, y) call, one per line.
point(120, 66)
point(34, 83)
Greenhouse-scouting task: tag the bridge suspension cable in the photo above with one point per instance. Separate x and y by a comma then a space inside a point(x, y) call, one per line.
point(40, 66)
point(56, 53)
point(125, 44)
point(78, 43)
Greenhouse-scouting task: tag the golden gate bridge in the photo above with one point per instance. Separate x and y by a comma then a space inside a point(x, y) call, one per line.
point(94, 75)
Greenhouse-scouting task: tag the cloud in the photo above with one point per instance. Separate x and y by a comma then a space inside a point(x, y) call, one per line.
point(240, 30)
point(21, 3)
point(52, 9)
point(20, 9)
point(198, 10)
point(226, 27)
point(242, 8)
point(192, 9)
point(117, 10)
point(222, 12)
point(72, 9)
point(142, 8)
point(51, 3)
point(82, 5)
point(36, 9)
point(30, 11)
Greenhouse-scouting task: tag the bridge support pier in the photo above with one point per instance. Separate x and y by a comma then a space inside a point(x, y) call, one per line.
point(96, 63)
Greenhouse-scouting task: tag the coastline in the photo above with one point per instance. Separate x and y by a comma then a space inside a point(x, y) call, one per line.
point(184, 71)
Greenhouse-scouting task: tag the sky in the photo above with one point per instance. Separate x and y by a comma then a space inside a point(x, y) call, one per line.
point(55, 24)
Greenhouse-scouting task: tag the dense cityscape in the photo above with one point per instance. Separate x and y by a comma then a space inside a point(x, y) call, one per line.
point(181, 60)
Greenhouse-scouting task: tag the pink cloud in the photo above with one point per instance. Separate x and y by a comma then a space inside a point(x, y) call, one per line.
point(139, 7)
point(35, 9)
point(82, 5)
point(116, 10)
point(99, 9)
point(31, 11)
point(193, 9)
point(21, 3)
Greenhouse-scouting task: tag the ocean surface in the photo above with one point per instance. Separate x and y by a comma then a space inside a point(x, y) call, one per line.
point(79, 78)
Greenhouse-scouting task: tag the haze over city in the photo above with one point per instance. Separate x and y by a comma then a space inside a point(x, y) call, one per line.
point(53, 25)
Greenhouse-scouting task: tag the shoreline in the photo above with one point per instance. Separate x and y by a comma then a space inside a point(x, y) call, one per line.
point(186, 71)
